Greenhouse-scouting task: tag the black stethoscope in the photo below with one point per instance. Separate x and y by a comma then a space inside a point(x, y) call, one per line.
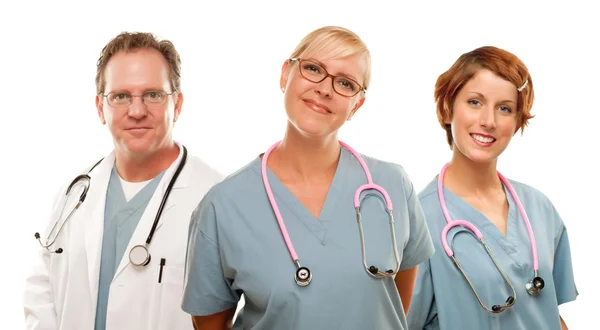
point(139, 254)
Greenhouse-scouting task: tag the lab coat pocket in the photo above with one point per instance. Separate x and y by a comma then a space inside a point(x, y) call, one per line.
point(169, 293)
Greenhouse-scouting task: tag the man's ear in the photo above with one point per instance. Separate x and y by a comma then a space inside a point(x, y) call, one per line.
point(100, 109)
point(178, 106)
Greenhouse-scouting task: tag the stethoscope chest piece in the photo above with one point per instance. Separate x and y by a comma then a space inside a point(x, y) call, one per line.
point(139, 255)
point(535, 285)
point(303, 276)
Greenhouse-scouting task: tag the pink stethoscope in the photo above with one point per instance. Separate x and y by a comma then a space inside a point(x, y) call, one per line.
point(303, 275)
point(533, 286)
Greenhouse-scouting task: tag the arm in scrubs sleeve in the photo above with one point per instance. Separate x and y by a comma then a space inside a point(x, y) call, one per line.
point(420, 245)
point(422, 310)
point(564, 280)
point(207, 291)
point(38, 301)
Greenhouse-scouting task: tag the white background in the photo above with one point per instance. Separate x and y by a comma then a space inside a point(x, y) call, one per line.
point(232, 54)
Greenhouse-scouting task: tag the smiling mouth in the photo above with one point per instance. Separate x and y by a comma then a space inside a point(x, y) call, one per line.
point(316, 107)
point(483, 139)
point(138, 131)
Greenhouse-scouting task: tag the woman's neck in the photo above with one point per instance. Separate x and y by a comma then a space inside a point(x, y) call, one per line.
point(466, 178)
point(305, 158)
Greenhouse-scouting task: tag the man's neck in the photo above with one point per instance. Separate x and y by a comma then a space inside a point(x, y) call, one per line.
point(143, 167)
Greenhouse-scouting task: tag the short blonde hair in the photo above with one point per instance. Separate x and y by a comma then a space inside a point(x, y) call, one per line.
point(334, 42)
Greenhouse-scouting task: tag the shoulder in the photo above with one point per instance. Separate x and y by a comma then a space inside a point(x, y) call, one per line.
point(389, 174)
point(529, 193)
point(386, 170)
point(236, 184)
point(533, 198)
point(539, 207)
point(199, 168)
point(429, 193)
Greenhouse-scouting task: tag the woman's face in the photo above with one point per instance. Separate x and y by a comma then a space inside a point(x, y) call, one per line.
point(484, 117)
point(316, 109)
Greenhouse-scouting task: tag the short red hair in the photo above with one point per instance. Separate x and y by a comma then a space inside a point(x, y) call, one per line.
point(503, 63)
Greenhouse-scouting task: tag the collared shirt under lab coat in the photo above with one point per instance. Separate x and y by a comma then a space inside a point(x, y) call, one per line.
point(61, 293)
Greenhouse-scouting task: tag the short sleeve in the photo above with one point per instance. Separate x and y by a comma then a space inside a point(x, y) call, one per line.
point(564, 281)
point(420, 246)
point(206, 289)
point(423, 310)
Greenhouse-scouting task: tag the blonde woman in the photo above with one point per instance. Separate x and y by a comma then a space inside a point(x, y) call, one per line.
point(283, 230)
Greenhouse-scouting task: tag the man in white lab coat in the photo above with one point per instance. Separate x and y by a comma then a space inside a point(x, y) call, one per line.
point(96, 272)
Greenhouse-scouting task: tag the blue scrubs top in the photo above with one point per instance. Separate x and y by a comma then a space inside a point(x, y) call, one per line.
point(442, 298)
point(236, 247)
point(120, 220)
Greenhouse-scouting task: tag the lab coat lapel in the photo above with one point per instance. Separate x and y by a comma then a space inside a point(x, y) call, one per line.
point(93, 214)
point(140, 235)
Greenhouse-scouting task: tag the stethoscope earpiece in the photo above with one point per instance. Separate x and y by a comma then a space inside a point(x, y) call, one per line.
point(374, 270)
point(509, 302)
point(57, 251)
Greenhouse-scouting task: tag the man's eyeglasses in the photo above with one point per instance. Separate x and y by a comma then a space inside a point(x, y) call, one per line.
point(123, 100)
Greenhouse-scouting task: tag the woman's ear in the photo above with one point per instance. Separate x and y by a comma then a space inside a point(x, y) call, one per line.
point(447, 115)
point(285, 72)
point(356, 107)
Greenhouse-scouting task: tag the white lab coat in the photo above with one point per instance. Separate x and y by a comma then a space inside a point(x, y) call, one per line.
point(61, 293)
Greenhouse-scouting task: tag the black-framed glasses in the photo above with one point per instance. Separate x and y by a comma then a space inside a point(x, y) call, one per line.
point(123, 100)
point(313, 71)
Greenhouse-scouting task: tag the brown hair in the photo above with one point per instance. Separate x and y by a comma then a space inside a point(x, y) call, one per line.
point(502, 63)
point(128, 41)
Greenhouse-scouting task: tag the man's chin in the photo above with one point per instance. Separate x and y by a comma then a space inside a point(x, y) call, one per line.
point(137, 147)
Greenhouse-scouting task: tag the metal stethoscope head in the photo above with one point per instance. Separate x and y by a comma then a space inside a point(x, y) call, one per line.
point(303, 275)
point(86, 180)
point(535, 285)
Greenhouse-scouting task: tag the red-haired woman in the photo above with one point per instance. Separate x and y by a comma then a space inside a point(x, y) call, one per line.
point(502, 257)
